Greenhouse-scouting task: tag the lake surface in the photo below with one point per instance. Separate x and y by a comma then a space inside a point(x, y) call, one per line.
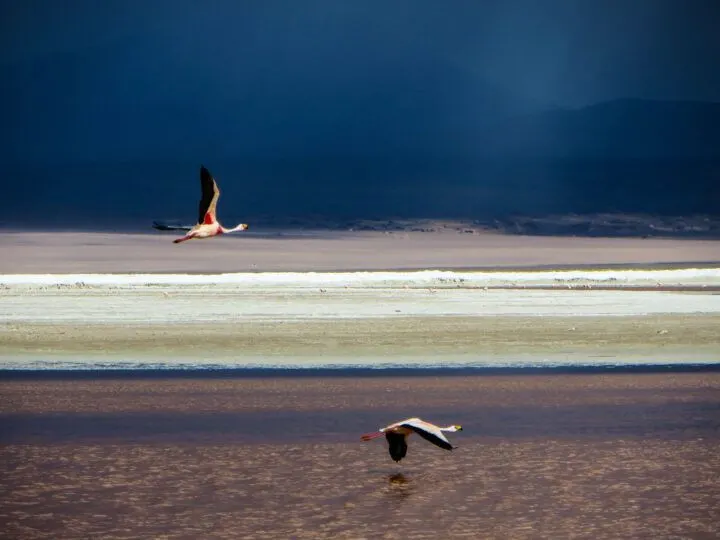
point(545, 455)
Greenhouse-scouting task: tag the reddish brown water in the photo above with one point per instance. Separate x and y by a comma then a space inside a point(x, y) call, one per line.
point(587, 456)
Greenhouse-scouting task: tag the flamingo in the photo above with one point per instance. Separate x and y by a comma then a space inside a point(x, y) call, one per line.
point(397, 434)
point(208, 225)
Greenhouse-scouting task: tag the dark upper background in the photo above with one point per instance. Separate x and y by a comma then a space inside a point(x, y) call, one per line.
point(357, 108)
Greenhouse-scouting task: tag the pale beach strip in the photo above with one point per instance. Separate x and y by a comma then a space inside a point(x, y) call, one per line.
point(351, 320)
point(78, 252)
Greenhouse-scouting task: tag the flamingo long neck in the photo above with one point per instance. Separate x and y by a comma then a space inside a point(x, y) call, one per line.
point(240, 227)
point(448, 428)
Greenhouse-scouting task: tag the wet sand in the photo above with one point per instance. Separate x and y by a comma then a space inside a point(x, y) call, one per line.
point(274, 250)
point(403, 340)
point(541, 456)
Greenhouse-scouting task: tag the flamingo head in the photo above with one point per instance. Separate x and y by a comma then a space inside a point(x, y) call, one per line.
point(240, 227)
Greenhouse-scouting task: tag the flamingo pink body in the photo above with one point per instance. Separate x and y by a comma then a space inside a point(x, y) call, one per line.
point(207, 224)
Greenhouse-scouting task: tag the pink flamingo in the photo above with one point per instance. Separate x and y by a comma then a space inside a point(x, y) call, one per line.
point(208, 225)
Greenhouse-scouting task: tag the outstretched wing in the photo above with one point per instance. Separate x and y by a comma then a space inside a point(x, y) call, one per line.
point(429, 433)
point(397, 445)
point(210, 195)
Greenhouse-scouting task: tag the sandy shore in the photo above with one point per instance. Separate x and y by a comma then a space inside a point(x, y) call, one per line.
point(399, 341)
point(602, 456)
point(78, 252)
point(395, 321)
point(303, 325)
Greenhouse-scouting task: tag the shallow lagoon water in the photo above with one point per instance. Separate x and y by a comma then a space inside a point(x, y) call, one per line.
point(541, 456)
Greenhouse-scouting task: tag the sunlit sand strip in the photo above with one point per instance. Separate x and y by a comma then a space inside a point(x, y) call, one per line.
point(178, 305)
point(697, 277)
point(376, 319)
point(410, 341)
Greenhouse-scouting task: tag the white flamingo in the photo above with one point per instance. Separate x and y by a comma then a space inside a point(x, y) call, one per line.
point(397, 434)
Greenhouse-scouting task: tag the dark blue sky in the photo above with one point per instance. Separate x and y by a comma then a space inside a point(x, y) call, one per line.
point(121, 81)
point(118, 77)
point(565, 52)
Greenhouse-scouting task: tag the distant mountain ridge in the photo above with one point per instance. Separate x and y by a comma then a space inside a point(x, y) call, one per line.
point(116, 102)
